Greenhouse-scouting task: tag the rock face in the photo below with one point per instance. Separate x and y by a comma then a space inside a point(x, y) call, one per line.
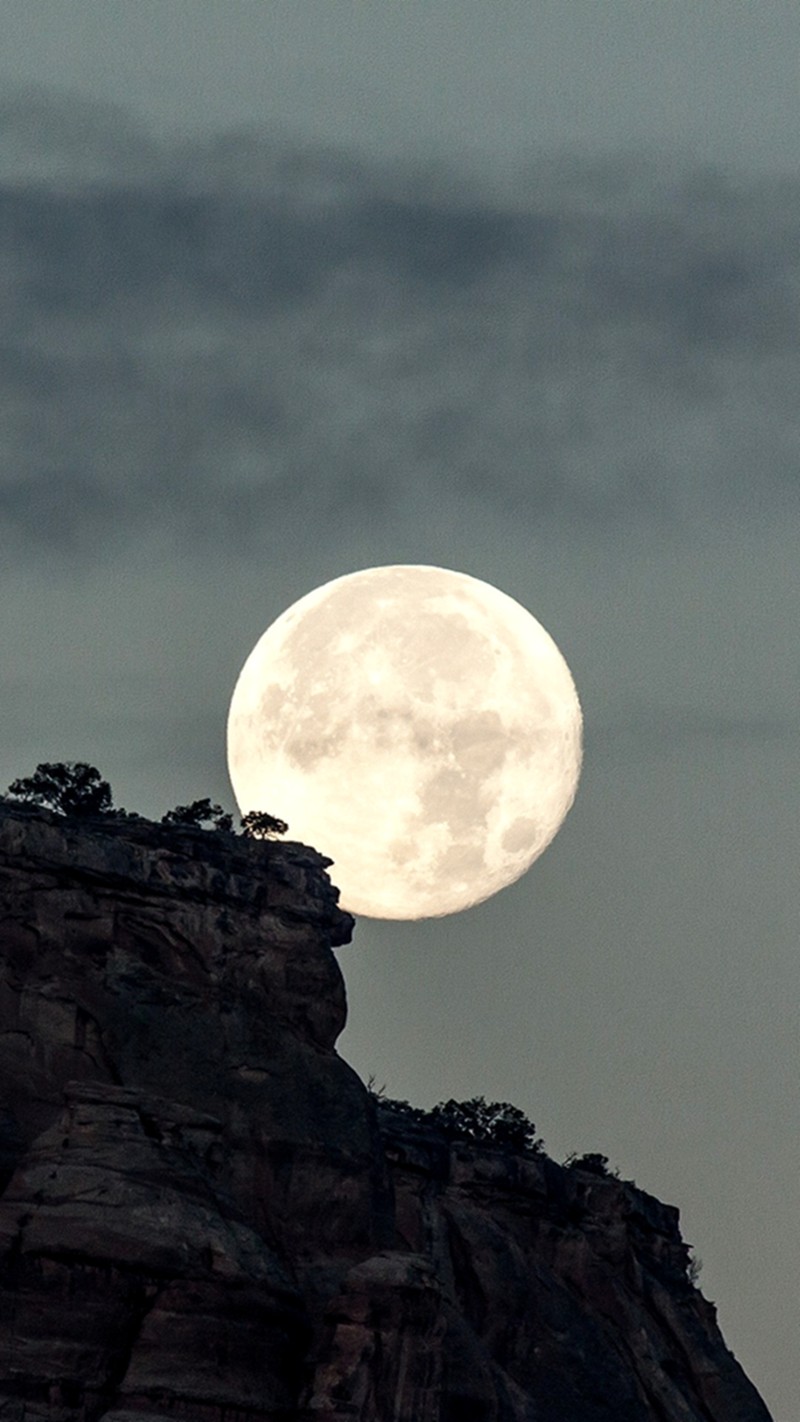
point(204, 1215)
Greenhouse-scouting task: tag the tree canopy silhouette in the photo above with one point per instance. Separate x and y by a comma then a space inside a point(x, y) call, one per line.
point(76, 788)
point(199, 813)
point(68, 787)
point(259, 825)
point(591, 1162)
point(496, 1124)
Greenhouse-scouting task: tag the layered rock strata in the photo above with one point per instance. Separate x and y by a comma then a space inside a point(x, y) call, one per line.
point(204, 1214)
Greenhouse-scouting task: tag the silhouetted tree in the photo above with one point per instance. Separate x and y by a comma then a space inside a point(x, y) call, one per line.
point(68, 787)
point(494, 1123)
point(592, 1162)
point(199, 813)
point(259, 825)
point(410, 1115)
point(477, 1122)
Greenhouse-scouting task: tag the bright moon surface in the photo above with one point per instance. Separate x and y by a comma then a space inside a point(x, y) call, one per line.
point(417, 726)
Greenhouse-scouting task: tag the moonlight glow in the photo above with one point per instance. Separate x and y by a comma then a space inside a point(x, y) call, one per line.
point(416, 725)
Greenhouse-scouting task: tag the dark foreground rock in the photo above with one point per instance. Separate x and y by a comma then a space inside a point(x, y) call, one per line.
point(204, 1214)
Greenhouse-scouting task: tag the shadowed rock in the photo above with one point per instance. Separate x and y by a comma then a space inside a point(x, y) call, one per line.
point(204, 1214)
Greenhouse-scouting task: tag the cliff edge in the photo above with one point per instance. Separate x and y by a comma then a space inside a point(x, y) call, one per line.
point(204, 1213)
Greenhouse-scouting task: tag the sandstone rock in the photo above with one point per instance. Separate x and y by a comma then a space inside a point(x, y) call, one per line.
point(204, 1215)
point(128, 1274)
point(380, 1350)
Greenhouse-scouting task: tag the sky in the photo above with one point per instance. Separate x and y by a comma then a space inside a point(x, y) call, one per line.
point(301, 287)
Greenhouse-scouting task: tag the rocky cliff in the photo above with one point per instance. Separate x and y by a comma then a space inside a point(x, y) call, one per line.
point(205, 1215)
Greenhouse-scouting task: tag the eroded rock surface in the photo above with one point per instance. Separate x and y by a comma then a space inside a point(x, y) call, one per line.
point(204, 1215)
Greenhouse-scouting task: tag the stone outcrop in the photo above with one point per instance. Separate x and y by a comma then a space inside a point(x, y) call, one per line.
point(205, 1215)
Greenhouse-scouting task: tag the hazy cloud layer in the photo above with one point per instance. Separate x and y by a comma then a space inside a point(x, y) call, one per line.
point(226, 336)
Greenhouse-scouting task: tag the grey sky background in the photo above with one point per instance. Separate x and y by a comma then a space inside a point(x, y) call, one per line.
point(295, 288)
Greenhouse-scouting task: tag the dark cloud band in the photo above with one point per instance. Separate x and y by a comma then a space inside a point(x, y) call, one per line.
point(225, 344)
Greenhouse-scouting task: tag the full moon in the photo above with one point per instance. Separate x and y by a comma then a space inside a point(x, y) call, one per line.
point(417, 726)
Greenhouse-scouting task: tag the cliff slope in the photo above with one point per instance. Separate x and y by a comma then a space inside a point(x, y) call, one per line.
point(204, 1214)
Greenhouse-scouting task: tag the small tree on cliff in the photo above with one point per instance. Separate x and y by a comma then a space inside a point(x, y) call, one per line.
point(493, 1123)
point(69, 787)
point(496, 1124)
point(257, 824)
point(199, 813)
point(592, 1163)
